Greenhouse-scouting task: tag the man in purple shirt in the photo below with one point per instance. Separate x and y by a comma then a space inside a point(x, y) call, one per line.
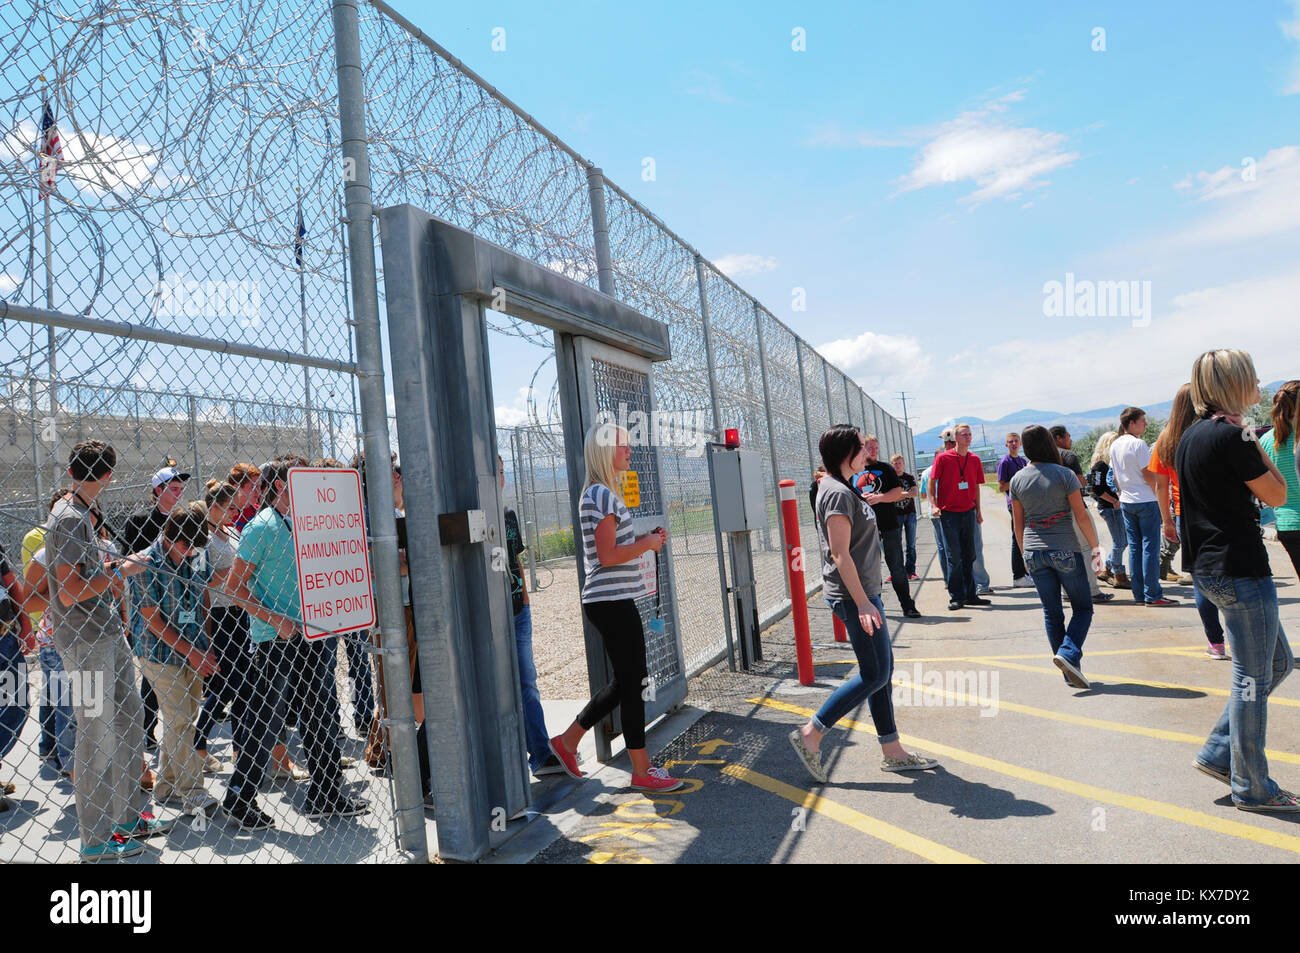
point(1009, 466)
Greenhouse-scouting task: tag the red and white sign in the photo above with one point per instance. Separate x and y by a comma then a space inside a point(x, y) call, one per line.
point(329, 545)
point(649, 578)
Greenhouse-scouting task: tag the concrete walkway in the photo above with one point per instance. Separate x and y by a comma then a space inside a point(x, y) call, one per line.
point(1032, 770)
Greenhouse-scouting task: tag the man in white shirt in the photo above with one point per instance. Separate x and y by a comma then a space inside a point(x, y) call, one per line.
point(1129, 456)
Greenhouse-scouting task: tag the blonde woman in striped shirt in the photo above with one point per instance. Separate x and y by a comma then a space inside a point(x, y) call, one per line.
point(610, 550)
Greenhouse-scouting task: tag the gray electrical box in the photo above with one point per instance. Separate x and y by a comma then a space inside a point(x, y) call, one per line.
point(739, 497)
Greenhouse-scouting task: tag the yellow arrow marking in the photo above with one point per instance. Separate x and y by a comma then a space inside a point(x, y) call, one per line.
point(712, 745)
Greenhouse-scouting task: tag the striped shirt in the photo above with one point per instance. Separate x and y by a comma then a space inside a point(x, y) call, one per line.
point(607, 583)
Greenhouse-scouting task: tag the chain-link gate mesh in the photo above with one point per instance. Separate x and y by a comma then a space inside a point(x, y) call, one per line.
point(197, 192)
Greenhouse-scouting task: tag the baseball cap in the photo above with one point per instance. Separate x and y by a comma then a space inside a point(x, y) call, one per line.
point(166, 475)
point(947, 437)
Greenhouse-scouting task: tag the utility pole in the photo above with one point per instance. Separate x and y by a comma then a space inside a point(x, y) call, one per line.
point(903, 395)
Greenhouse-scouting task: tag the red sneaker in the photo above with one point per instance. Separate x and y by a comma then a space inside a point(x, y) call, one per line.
point(567, 758)
point(913, 576)
point(657, 780)
point(1163, 602)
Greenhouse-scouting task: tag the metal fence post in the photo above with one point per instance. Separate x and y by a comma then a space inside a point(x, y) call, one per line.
point(600, 230)
point(771, 435)
point(194, 434)
point(803, 396)
point(826, 380)
point(407, 793)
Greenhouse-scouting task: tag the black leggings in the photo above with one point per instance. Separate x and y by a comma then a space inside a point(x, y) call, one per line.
point(1290, 540)
point(619, 625)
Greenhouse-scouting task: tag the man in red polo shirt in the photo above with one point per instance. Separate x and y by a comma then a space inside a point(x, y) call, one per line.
point(955, 489)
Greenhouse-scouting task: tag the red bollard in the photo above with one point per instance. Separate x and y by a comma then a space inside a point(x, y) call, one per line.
point(794, 566)
point(841, 633)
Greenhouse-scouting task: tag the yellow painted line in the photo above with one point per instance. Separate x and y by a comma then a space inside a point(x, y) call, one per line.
point(1112, 677)
point(1133, 802)
point(1156, 650)
point(863, 823)
point(1119, 726)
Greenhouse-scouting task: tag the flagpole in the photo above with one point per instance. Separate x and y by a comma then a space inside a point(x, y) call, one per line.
point(50, 335)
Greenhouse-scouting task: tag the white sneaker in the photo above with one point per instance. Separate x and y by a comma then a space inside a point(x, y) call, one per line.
point(1022, 582)
point(200, 803)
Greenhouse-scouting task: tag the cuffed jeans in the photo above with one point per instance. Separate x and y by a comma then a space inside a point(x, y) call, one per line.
point(535, 735)
point(1118, 538)
point(959, 535)
point(1142, 526)
point(110, 733)
point(1053, 571)
point(1261, 658)
point(872, 680)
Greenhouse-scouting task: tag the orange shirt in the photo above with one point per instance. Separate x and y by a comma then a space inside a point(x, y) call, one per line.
point(1158, 467)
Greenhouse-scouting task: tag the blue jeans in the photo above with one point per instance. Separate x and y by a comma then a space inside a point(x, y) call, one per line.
point(62, 722)
point(535, 735)
point(13, 692)
point(909, 531)
point(872, 680)
point(1261, 658)
point(1118, 538)
point(1052, 571)
point(959, 535)
point(891, 543)
point(977, 570)
point(1142, 525)
point(937, 526)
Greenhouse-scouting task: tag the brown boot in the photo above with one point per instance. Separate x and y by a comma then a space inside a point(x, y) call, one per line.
point(1121, 580)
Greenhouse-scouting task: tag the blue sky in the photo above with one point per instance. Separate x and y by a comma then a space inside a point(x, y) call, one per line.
point(923, 170)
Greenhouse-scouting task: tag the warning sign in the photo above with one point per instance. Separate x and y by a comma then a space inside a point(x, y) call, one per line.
point(329, 544)
point(631, 490)
point(649, 578)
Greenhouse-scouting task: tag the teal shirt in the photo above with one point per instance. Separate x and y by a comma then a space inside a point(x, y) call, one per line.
point(177, 593)
point(1288, 515)
point(267, 543)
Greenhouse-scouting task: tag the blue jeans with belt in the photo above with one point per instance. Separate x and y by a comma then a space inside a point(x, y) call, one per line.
point(872, 680)
point(1261, 658)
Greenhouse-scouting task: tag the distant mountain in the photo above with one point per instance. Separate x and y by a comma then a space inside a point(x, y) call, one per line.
point(993, 432)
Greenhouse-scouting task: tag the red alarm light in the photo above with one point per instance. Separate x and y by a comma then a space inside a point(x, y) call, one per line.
point(732, 438)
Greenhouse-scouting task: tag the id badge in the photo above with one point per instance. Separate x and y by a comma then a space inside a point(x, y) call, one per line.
point(186, 617)
point(657, 626)
point(963, 485)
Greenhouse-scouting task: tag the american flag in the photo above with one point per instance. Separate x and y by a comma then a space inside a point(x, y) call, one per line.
point(50, 149)
point(299, 241)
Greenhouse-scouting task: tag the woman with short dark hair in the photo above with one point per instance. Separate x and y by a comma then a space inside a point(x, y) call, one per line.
point(1045, 502)
point(851, 555)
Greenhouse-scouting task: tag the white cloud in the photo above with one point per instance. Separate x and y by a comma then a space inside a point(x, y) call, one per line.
point(734, 266)
point(515, 413)
point(99, 163)
point(1291, 30)
point(879, 361)
point(1255, 199)
point(984, 147)
point(8, 284)
point(1111, 362)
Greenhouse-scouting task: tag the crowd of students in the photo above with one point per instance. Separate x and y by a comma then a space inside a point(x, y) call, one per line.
point(1197, 490)
point(146, 638)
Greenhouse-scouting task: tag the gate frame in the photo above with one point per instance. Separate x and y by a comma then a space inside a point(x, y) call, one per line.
point(439, 280)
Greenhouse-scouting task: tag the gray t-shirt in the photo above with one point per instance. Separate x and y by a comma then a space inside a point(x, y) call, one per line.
point(1044, 489)
point(834, 498)
point(222, 550)
point(71, 540)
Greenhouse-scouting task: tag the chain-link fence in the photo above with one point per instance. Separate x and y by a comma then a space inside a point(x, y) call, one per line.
point(178, 271)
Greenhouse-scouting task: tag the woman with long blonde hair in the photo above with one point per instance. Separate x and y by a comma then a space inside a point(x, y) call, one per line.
point(1221, 471)
point(610, 551)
